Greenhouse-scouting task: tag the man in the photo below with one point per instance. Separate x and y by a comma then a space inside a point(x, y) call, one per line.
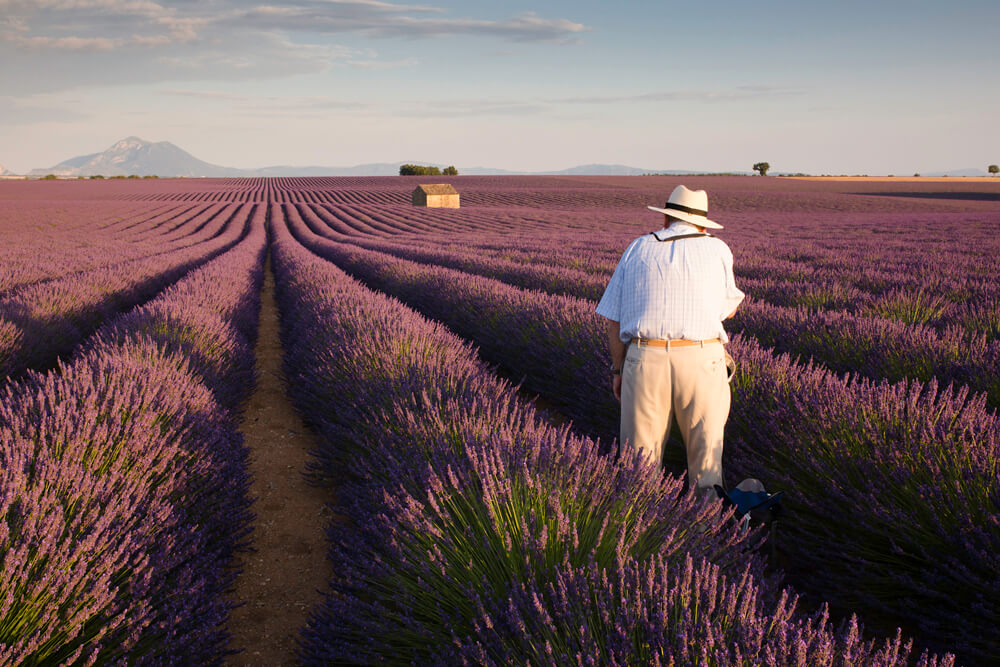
point(665, 304)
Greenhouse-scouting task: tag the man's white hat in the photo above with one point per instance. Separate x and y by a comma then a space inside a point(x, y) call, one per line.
point(689, 206)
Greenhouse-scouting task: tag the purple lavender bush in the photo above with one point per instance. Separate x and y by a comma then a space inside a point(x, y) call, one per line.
point(472, 515)
point(477, 307)
point(887, 337)
point(82, 238)
point(877, 347)
point(124, 482)
point(55, 316)
point(894, 503)
point(932, 547)
point(660, 612)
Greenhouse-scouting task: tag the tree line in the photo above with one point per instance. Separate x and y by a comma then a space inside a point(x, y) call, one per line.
point(420, 170)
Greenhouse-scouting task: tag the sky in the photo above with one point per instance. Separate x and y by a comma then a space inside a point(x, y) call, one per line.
point(888, 87)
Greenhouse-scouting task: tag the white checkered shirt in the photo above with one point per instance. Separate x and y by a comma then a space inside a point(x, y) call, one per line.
point(672, 289)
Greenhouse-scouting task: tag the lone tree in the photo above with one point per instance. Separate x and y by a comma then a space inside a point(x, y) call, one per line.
point(993, 169)
point(762, 167)
point(450, 171)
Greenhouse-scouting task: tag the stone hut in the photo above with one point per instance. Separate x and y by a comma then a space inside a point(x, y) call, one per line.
point(441, 196)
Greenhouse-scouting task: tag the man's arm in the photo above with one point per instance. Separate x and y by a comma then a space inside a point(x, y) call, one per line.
point(734, 296)
point(617, 350)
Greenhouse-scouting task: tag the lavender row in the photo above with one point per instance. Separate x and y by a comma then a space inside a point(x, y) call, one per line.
point(905, 288)
point(876, 347)
point(477, 308)
point(933, 513)
point(42, 321)
point(444, 224)
point(106, 254)
point(123, 480)
point(484, 536)
point(869, 345)
point(975, 309)
point(41, 253)
point(946, 263)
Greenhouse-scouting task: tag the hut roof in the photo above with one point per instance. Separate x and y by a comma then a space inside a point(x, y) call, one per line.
point(440, 189)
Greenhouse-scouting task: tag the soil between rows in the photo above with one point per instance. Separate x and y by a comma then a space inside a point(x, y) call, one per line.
point(284, 574)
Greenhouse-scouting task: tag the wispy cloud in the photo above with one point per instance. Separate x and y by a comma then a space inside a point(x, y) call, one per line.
point(458, 107)
point(381, 64)
point(528, 27)
point(131, 41)
point(81, 25)
point(724, 95)
point(95, 25)
point(469, 107)
point(16, 112)
point(379, 19)
point(272, 102)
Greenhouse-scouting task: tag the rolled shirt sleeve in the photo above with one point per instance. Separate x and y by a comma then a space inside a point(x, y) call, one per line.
point(610, 305)
point(733, 296)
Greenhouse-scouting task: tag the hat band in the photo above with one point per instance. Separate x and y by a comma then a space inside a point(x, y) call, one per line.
point(685, 209)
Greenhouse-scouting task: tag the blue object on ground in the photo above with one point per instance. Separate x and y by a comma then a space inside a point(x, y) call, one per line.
point(747, 501)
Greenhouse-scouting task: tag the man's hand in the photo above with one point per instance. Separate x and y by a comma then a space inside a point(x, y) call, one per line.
point(617, 349)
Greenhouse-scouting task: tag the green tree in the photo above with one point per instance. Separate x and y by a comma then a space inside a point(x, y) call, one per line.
point(450, 171)
point(993, 169)
point(762, 167)
point(418, 170)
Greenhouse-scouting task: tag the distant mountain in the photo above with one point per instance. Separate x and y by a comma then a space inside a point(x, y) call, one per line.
point(612, 170)
point(133, 155)
point(582, 170)
point(372, 169)
point(392, 169)
point(3, 170)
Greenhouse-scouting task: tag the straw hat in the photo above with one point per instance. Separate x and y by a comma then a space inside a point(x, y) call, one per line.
point(689, 206)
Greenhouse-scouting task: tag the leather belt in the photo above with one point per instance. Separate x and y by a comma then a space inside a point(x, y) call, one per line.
point(677, 342)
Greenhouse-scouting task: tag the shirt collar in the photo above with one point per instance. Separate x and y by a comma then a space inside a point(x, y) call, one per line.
point(676, 228)
point(681, 227)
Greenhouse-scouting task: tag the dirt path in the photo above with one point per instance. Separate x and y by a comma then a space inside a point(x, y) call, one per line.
point(282, 577)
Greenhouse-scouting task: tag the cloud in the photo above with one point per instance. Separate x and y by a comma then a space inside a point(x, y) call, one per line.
point(381, 64)
point(111, 24)
point(274, 102)
point(383, 20)
point(15, 112)
point(524, 28)
point(227, 56)
point(729, 95)
point(468, 108)
point(94, 25)
point(61, 44)
point(456, 107)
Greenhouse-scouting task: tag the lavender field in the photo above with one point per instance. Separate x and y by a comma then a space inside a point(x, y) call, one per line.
point(454, 374)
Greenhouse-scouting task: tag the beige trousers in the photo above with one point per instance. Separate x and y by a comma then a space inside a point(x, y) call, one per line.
point(689, 384)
